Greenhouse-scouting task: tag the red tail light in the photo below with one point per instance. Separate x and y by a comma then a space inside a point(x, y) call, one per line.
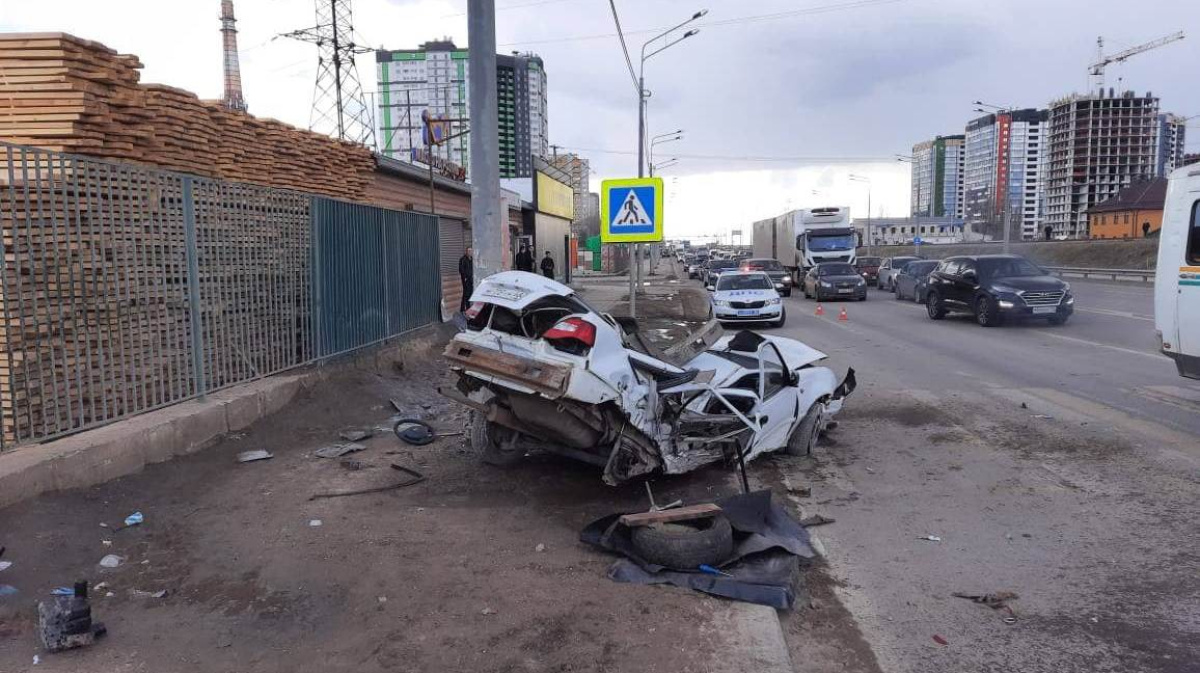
point(576, 329)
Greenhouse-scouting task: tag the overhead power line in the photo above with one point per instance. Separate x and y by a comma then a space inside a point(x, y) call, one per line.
point(763, 159)
point(808, 11)
point(624, 48)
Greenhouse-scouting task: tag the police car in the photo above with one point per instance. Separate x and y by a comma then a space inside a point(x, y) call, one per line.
point(747, 296)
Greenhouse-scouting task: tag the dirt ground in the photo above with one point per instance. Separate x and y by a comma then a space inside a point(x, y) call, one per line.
point(441, 576)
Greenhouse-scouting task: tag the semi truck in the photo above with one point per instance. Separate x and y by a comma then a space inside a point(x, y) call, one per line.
point(801, 239)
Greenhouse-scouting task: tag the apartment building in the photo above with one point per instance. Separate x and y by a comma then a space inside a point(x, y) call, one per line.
point(937, 177)
point(1002, 172)
point(1170, 138)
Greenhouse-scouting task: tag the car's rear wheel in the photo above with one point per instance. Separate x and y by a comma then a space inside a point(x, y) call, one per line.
point(933, 306)
point(987, 313)
point(495, 444)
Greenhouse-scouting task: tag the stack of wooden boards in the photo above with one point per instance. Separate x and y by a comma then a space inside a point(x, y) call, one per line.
point(62, 93)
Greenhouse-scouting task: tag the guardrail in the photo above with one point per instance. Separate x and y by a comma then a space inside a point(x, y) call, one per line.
point(1145, 275)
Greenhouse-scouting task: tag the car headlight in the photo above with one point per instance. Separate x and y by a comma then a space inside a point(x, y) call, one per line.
point(1007, 290)
point(774, 302)
point(1066, 286)
point(824, 284)
point(786, 280)
point(861, 281)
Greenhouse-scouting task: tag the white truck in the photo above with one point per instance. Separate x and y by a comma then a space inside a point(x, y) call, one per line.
point(801, 239)
point(1177, 276)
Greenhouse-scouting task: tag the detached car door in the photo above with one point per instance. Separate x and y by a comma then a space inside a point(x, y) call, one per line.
point(779, 398)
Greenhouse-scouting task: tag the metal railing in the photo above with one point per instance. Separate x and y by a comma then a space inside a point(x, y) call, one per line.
point(1144, 275)
point(125, 288)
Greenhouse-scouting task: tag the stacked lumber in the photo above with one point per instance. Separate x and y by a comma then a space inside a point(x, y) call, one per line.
point(66, 94)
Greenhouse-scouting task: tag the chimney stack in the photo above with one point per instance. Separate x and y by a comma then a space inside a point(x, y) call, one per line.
point(233, 73)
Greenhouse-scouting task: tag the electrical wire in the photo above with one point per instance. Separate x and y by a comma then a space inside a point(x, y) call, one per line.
point(624, 48)
point(763, 159)
point(822, 9)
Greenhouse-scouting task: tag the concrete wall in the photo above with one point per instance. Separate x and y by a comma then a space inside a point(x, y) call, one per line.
point(1097, 254)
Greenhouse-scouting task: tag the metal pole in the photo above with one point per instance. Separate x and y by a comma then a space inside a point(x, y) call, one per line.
point(486, 221)
point(868, 218)
point(635, 257)
point(193, 276)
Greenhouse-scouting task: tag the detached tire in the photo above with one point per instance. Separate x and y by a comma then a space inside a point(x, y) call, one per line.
point(685, 546)
point(487, 440)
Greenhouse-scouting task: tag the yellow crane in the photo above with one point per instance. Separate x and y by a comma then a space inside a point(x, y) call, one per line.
point(1097, 69)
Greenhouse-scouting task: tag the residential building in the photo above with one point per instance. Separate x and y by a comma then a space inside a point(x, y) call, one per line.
point(1170, 136)
point(1002, 172)
point(434, 78)
point(937, 177)
point(1098, 144)
point(1135, 212)
point(578, 171)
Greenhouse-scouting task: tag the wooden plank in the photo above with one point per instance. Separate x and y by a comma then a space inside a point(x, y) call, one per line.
point(691, 512)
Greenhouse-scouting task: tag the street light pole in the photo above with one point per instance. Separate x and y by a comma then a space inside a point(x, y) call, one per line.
point(861, 178)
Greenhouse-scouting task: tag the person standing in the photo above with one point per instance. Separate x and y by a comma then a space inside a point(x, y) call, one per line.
point(466, 271)
point(548, 266)
point(524, 261)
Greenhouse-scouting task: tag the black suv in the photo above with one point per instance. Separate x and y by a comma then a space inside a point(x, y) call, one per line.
point(996, 287)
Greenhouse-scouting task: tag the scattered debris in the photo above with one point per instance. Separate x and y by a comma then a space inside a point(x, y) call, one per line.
point(815, 520)
point(314, 523)
point(540, 548)
point(103, 525)
point(101, 586)
point(236, 436)
point(106, 543)
point(353, 465)
point(995, 601)
point(1024, 406)
point(663, 515)
point(338, 450)
point(870, 470)
point(251, 456)
point(5, 565)
point(417, 478)
point(111, 561)
point(396, 405)
point(355, 434)
point(800, 491)
point(66, 622)
point(135, 519)
point(940, 640)
point(36, 660)
point(1010, 620)
point(418, 432)
point(930, 538)
point(62, 591)
point(382, 599)
point(1043, 416)
point(138, 593)
point(8, 590)
point(487, 611)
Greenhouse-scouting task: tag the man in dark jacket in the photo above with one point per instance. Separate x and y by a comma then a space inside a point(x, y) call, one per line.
point(524, 260)
point(466, 271)
point(548, 266)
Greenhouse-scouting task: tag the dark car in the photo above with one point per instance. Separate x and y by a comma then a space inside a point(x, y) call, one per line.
point(888, 270)
point(714, 267)
point(835, 279)
point(868, 268)
point(771, 267)
point(996, 287)
point(912, 281)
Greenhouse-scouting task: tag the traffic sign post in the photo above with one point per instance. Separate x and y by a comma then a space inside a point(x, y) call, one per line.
point(917, 243)
point(631, 211)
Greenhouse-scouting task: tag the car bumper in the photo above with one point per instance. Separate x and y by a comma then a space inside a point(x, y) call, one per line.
point(1020, 310)
point(735, 315)
point(832, 293)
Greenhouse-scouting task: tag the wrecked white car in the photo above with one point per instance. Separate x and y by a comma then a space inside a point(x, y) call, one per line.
point(544, 371)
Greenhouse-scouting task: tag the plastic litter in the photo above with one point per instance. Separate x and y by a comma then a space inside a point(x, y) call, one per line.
point(138, 593)
point(355, 434)
point(62, 591)
point(8, 590)
point(995, 601)
point(930, 538)
point(134, 519)
point(251, 456)
point(314, 523)
point(940, 640)
point(111, 561)
point(5, 565)
point(338, 450)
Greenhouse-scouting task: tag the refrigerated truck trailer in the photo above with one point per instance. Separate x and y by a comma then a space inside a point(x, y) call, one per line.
point(801, 239)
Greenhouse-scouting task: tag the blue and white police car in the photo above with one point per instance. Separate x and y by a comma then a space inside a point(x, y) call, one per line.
point(747, 296)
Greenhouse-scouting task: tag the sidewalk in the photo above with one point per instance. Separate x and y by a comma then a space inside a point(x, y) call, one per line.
point(668, 308)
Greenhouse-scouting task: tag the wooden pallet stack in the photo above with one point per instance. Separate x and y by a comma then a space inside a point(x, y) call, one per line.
point(62, 93)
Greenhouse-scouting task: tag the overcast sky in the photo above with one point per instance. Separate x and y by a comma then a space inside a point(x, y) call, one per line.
point(827, 87)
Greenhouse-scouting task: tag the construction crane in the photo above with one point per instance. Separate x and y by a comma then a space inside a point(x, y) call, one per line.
point(1097, 69)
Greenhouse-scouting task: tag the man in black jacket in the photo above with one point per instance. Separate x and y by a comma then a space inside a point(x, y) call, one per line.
point(466, 271)
point(524, 260)
point(548, 266)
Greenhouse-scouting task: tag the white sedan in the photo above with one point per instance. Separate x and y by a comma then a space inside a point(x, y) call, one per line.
point(747, 296)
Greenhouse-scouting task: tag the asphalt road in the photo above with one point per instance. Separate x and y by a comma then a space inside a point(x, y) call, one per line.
point(1061, 463)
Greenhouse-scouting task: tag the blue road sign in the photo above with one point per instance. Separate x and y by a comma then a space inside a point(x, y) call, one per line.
point(631, 211)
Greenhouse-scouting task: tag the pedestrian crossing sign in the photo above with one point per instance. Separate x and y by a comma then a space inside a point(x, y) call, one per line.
point(631, 210)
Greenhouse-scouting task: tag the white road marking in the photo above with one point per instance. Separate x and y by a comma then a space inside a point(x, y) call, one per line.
point(1118, 314)
point(1156, 356)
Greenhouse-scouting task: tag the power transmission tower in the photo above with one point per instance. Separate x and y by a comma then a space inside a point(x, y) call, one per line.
point(339, 108)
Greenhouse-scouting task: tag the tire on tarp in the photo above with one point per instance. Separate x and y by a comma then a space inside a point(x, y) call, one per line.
point(685, 545)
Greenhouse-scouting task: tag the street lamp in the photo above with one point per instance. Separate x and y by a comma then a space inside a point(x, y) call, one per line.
point(664, 164)
point(642, 95)
point(863, 178)
point(660, 139)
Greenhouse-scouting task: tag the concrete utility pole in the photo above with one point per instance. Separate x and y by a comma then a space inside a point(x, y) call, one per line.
point(487, 220)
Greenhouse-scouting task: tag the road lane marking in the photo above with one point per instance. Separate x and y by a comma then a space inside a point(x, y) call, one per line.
point(1097, 344)
point(1118, 314)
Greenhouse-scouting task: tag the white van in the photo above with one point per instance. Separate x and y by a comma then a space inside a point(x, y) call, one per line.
point(1177, 277)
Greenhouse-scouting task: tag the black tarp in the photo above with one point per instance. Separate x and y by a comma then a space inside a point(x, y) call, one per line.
point(769, 546)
